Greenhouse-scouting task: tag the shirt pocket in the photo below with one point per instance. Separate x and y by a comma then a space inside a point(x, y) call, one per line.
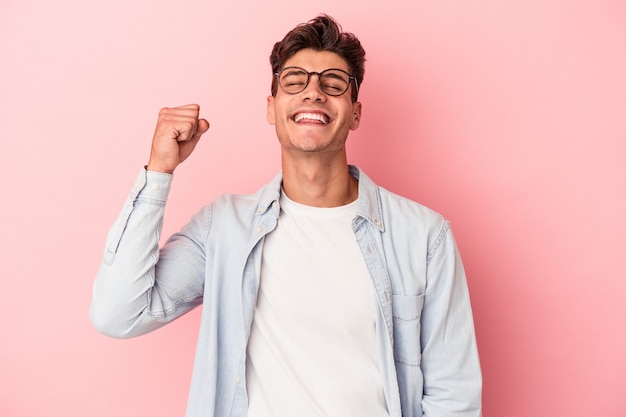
point(407, 310)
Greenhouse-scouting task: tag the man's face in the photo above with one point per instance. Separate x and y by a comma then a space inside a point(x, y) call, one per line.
point(312, 121)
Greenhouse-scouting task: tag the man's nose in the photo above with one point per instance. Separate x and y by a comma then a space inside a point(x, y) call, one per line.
point(313, 90)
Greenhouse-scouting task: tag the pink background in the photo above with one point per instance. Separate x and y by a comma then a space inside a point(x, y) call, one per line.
point(509, 117)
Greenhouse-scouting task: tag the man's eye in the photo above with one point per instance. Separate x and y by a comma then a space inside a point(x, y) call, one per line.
point(293, 80)
point(333, 86)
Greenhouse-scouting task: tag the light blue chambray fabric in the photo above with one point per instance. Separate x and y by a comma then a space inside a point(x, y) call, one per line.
point(428, 355)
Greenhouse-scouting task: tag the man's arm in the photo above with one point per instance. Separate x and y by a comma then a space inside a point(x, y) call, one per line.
point(450, 363)
point(139, 287)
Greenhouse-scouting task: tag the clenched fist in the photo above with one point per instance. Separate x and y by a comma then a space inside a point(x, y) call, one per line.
point(177, 132)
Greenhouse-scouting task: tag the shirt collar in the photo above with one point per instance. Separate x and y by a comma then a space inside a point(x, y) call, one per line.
point(368, 206)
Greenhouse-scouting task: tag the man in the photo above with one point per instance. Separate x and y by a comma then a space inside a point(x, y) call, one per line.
point(323, 294)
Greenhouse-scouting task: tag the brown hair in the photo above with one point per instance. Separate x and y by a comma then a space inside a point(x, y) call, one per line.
point(321, 34)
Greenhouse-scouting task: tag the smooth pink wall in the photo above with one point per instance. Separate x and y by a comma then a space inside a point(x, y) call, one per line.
point(509, 117)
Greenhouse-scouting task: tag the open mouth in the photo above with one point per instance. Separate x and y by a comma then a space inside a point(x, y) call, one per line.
point(311, 118)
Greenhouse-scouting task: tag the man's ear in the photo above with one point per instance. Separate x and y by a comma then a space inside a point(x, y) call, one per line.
point(356, 114)
point(271, 115)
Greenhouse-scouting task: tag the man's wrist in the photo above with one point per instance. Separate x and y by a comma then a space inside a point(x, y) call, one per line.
point(155, 168)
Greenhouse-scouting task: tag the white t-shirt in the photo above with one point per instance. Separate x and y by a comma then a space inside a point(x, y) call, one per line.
point(313, 350)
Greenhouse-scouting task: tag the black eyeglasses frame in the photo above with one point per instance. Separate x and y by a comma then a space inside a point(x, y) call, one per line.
point(351, 78)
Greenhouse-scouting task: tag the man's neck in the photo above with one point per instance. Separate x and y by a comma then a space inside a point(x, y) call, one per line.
point(319, 183)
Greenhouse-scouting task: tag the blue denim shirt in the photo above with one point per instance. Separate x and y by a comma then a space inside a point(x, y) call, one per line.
point(428, 356)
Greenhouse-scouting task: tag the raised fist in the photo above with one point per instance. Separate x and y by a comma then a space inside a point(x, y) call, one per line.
point(177, 132)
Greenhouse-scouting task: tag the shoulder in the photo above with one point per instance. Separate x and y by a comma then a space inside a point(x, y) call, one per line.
point(379, 201)
point(403, 206)
point(406, 223)
point(247, 205)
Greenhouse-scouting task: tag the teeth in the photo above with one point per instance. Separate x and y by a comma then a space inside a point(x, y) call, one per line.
point(311, 116)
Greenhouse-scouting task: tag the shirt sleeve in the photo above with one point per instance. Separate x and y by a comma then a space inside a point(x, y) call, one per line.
point(450, 362)
point(140, 287)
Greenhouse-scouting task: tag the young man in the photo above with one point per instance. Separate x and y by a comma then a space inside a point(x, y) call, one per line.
point(323, 294)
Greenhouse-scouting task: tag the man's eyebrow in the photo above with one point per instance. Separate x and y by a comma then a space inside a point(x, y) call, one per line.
point(337, 75)
point(292, 71)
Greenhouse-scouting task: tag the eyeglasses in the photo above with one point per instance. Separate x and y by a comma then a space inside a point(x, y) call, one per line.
point(333, 81)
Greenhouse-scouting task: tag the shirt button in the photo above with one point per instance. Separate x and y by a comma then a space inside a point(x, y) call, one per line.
point(237, 380)
point(258, 229)
point(275, 204)
point(156, 187)
point(377, 223)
